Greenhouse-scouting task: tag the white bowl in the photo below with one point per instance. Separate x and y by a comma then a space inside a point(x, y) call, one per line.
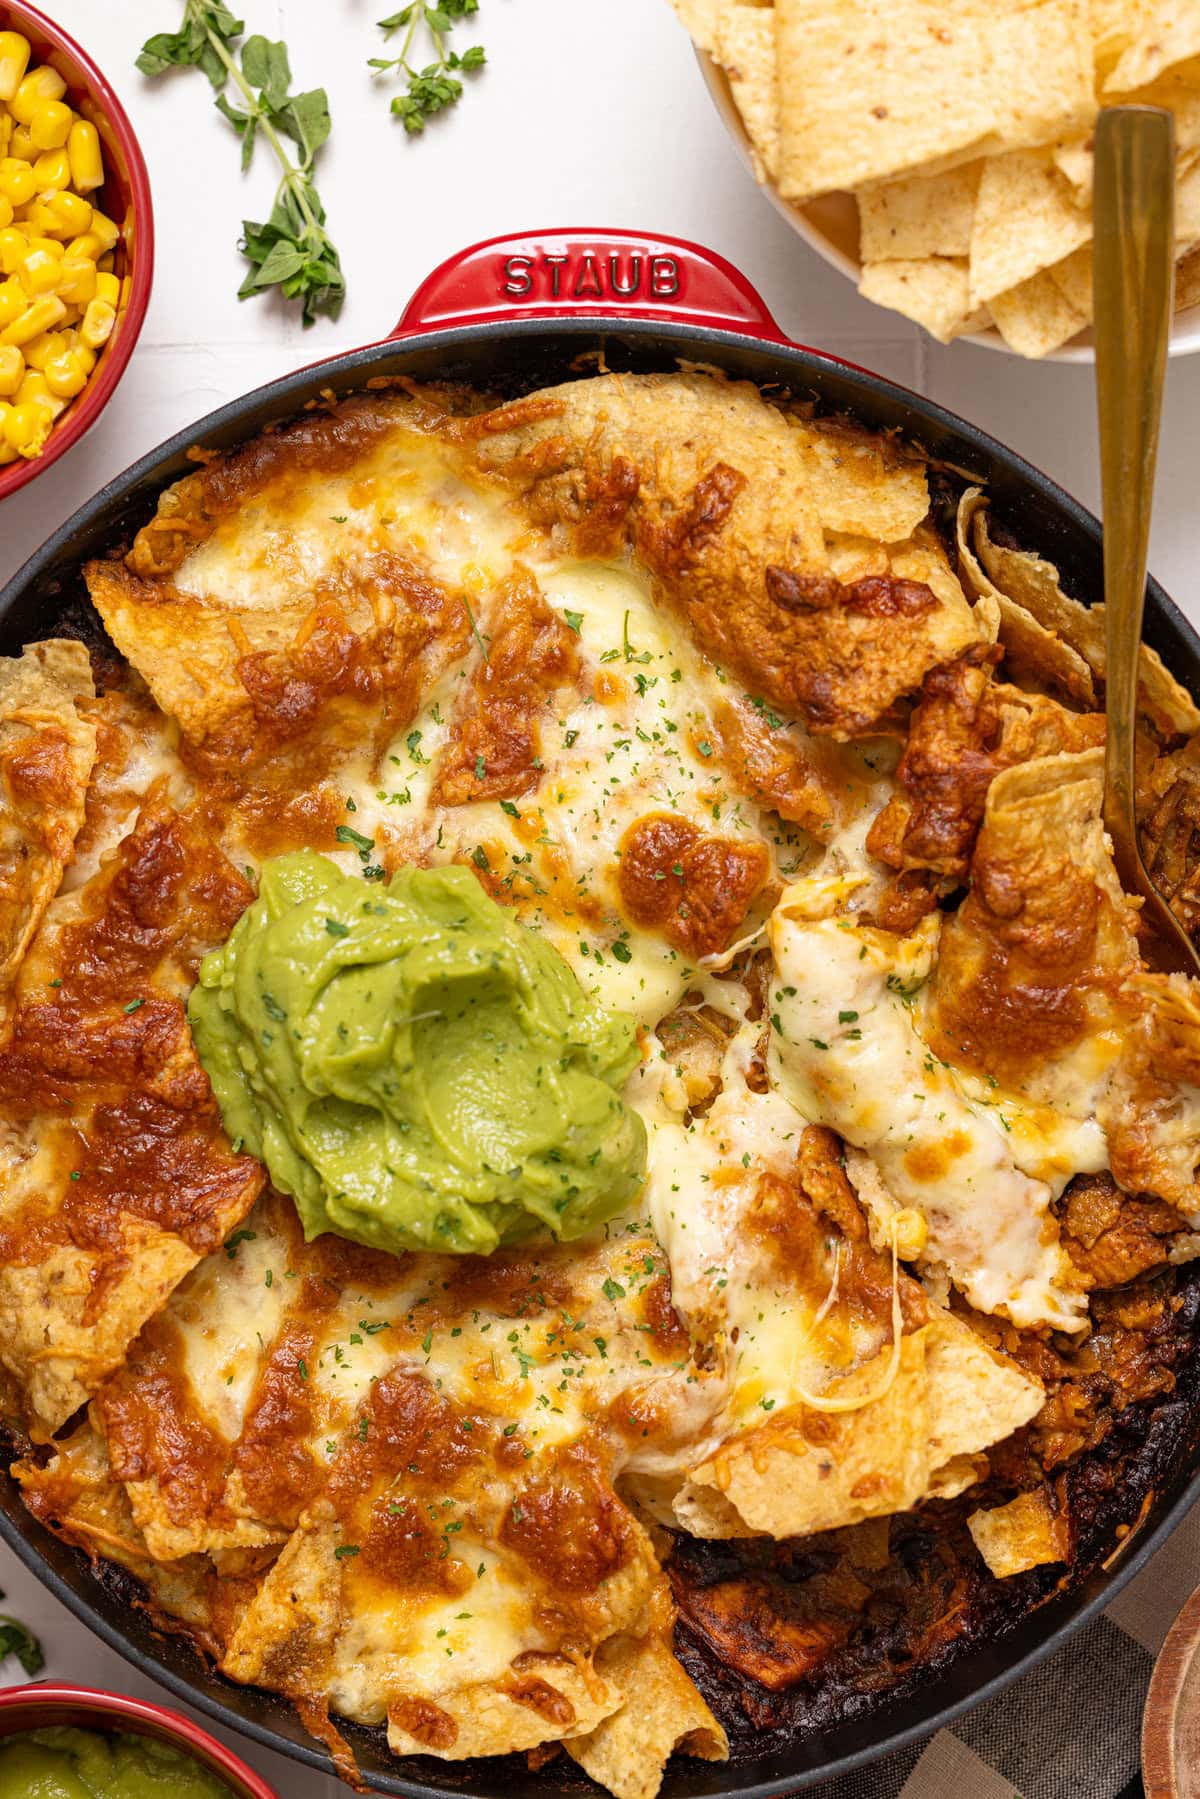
point(830, 225)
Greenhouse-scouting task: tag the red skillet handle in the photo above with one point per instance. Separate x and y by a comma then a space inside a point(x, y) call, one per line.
point(577, 274)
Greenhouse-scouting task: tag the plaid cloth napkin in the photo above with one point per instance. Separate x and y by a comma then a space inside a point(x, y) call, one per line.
point(1072, 1728)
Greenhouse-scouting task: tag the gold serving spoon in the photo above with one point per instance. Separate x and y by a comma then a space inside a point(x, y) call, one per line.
point(1134, 292)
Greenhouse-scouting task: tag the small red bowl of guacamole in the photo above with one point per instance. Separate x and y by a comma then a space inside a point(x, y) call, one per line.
point(98, 1745)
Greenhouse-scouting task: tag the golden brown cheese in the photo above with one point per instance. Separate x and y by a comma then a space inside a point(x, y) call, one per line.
point(608, 646)
point(117, 1175)
point(47, 748)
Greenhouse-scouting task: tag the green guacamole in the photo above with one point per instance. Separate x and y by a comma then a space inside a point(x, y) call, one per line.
point(417, 1069)
point(60, 1763)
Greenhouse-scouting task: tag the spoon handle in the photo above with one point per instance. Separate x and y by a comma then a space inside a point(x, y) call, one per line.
point(1134, 280)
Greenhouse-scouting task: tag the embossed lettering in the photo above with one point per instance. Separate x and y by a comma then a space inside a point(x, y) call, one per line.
point(556, 265)
point(587, 281)
point(619, 286)
point(664, 277)
point(517, 277)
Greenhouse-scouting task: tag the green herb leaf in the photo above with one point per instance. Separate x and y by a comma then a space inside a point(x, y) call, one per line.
point(17, 1639)
point(434, 86)
point(291, 250)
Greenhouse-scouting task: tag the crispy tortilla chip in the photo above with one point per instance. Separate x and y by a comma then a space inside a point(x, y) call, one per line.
point(922, 215)
point(813, 1470)
point(1024, 991)
point(933, 291)
point(1151, 1113)
point(1073, 278)
point(662, 1713)
point(1023, 1534)
point(1153, 36)
point(857, 81)
point(746, 51)
point(1036, 317)
point(546, 1698)
point(1026, 219)
point(47, 749)
point(1033, 583)
point(1034, 652)
point(974, 1396)
point(1187, 280)
point(700, 19)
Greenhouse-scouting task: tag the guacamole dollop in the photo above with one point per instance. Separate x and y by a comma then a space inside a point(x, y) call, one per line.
point(62, 1763)
point(416, 1068)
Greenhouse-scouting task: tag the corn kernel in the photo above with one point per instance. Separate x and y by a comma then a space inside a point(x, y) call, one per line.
point(13, 301)
point(909, 1231)
point(18, 183)
point(14, 60)
point(35, 390)
point(13, 248)
point(6, 213)
point(77, 283)
point(86, 355)
point(98, 321)
point(21, 143)
point(70, 215)
point(38, 272)
point(66, 375)
point(87, 164)
point(33, 90)
point(52, 172)
point(6, 131)
point(42, 315)
point(36, 220)
point(88, 245)
point(108, 288)
point(50, 125)
point(27, 427)
point(12, 369)
point(104, 229)
point(40, 349)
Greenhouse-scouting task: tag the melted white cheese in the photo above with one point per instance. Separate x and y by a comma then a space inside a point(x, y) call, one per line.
point(846, 1052)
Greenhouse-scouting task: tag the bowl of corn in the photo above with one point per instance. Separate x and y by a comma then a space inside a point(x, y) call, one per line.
point(76, 242)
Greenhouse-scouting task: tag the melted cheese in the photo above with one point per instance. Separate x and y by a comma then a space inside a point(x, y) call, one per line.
point(846, 1052)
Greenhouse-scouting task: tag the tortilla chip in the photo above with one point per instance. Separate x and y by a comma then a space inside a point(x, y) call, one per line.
point(1036, 317)
point(1023, 1534)
point(1034, 653)
point(1187, 280)
point(1073, 279)
point(746, 51)
point(922, 215)
point(860, 484)
point(1033, 583)
point(1156, 34)
point(47, 749)
point(1151, 1112)
point(1026, 219)
point(974, 1397)
point(858, 81)
point(700, 19)
point(662, 1714)
point(498, 1718)
point(934, 291)
point(813, 1470)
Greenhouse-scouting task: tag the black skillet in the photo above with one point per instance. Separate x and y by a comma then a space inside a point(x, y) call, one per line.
point(512, 314)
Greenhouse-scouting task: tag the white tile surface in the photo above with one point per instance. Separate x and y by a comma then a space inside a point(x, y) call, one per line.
point(586, 116)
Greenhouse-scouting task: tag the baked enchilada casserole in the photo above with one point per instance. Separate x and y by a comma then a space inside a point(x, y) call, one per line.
point(592, 1163)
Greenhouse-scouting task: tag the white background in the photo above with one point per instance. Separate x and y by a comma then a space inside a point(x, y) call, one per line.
point(587, 116)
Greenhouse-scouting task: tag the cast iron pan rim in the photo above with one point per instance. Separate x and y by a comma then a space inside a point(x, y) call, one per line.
point(806, 363)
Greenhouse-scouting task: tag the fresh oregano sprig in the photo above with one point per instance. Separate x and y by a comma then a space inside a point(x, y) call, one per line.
point(291, 249)
point(17, 1639)
point(435, 86)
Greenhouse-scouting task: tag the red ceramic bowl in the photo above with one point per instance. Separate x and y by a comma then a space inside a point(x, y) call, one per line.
point(125, 198)
point(35, 1707)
